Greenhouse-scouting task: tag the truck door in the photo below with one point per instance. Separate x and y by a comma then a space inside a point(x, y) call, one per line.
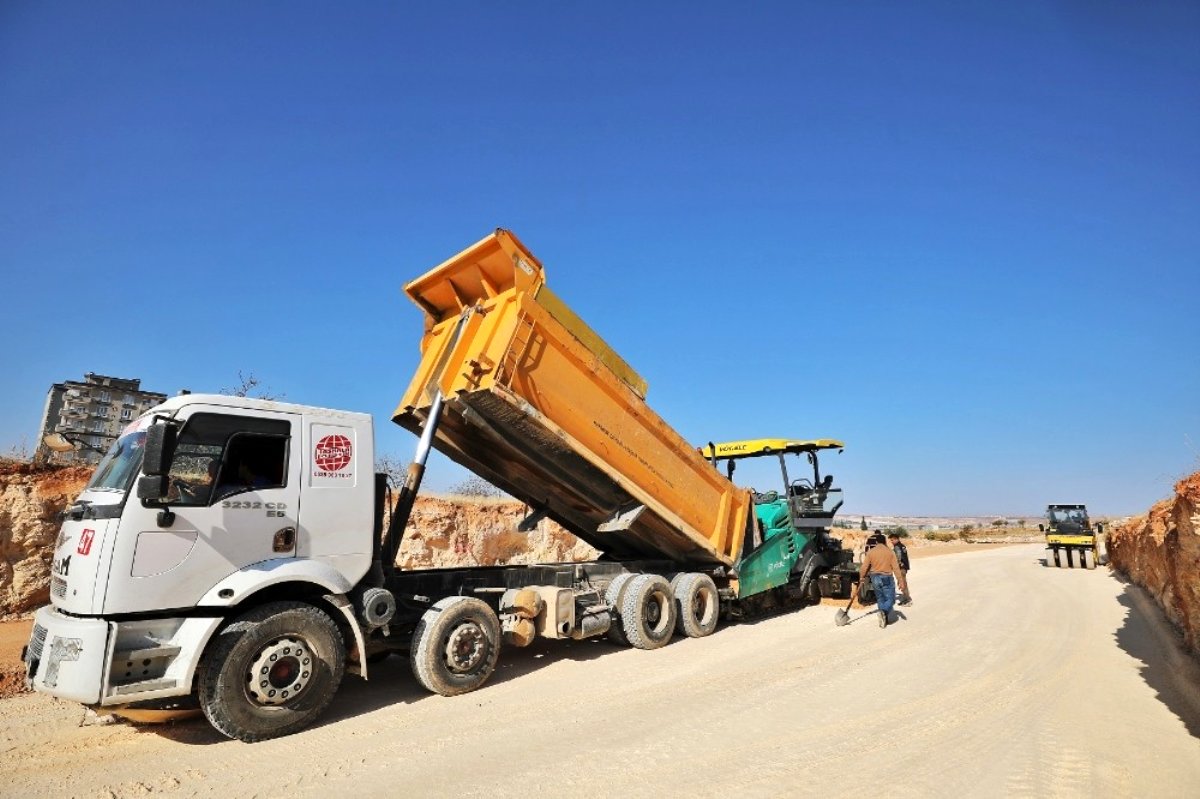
point(235, 496)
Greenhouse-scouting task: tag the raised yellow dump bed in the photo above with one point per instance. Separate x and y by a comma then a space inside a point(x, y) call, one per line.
point(540, 406)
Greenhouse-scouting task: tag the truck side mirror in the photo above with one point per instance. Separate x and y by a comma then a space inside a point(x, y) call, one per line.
point(152, 487)
point(1041, 528)
point(159, 449)
point(1099, 528)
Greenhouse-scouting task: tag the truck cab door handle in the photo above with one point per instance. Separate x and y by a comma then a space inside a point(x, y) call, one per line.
point(285, 540)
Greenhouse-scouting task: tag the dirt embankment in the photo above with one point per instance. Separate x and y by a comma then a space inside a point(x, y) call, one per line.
point(462, 531)
point(1161, 552)
point(31, 499)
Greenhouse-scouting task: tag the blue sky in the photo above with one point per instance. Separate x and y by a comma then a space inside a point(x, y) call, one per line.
point(963, 237)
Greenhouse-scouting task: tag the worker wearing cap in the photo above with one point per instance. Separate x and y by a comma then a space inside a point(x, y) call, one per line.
point(880, 564)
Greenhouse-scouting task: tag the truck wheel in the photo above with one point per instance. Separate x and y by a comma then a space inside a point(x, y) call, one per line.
point(697, 605)
point(648, 611)
point(612, 598)
point(455, 646)
point(1066, 557)
point(1089, 559)
point(1050, 562)
point(272, 671)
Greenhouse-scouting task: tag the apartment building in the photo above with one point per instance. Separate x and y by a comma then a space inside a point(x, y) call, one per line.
point(92, 412)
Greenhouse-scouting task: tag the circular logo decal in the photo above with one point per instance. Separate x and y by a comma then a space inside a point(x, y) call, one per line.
point(333, 453)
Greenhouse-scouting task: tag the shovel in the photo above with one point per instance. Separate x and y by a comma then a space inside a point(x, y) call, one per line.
point(843, 616)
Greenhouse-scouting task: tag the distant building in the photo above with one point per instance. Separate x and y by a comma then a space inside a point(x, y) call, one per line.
point(92, 412)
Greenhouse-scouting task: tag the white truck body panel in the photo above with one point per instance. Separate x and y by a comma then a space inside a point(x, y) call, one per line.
point(327, 573)
point(82, 555)
point(338, 488)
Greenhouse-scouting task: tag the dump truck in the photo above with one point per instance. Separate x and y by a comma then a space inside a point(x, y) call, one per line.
point(239, 555)
point(1072, 541)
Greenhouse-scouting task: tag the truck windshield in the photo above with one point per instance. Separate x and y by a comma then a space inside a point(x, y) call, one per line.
point(120, 465)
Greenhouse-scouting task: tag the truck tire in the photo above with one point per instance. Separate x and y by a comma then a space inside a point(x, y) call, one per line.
point(1051, 561)
point(272, 671)
point(455, 646)
point(612, 598)
point(697, 605)
point(1066, 557)
point(1089, 559)
point(648, 611)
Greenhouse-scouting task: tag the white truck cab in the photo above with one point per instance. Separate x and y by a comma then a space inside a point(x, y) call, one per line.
point(253, 494)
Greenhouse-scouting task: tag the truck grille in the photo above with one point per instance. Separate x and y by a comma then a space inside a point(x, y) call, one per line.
point(58, 587)
point(37, 642)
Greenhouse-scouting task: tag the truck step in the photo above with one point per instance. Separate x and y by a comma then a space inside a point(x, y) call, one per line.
point(144, 685)
point(148, 653)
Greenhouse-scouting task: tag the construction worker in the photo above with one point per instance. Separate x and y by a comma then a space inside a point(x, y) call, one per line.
point(880, 564)
point(902, 558)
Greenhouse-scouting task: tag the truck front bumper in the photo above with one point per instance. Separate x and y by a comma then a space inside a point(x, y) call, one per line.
point(100, 662)
point(66, 656)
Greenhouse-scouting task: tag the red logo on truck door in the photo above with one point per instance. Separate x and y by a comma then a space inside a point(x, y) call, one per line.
point(85, 542)
point(332, 455)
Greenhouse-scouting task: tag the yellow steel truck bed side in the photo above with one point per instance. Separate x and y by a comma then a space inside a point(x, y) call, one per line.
point(539, 405)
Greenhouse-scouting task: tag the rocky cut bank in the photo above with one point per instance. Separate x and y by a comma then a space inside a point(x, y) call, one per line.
point(31, 500)
point(1161, 552)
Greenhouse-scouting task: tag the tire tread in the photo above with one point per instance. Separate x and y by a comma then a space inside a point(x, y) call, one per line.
point(425, 657)
point(684, 590)
point(215, 682)
point(612, 597)
point(633, 601)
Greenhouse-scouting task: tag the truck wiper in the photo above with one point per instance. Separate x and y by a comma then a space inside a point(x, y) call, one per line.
point(79, 510)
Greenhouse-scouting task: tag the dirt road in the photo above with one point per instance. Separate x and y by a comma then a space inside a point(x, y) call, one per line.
point(1004, 679)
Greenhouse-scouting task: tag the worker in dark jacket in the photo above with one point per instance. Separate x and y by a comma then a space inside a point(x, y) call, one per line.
point(880, 564)
point(902, 558)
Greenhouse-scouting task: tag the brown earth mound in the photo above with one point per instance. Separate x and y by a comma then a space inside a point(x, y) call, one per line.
point(1161, 552)
point(31, 498)
point(461, 531)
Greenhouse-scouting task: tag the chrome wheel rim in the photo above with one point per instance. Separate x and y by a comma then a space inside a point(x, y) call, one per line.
point(280, 672)
point(466, 648)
